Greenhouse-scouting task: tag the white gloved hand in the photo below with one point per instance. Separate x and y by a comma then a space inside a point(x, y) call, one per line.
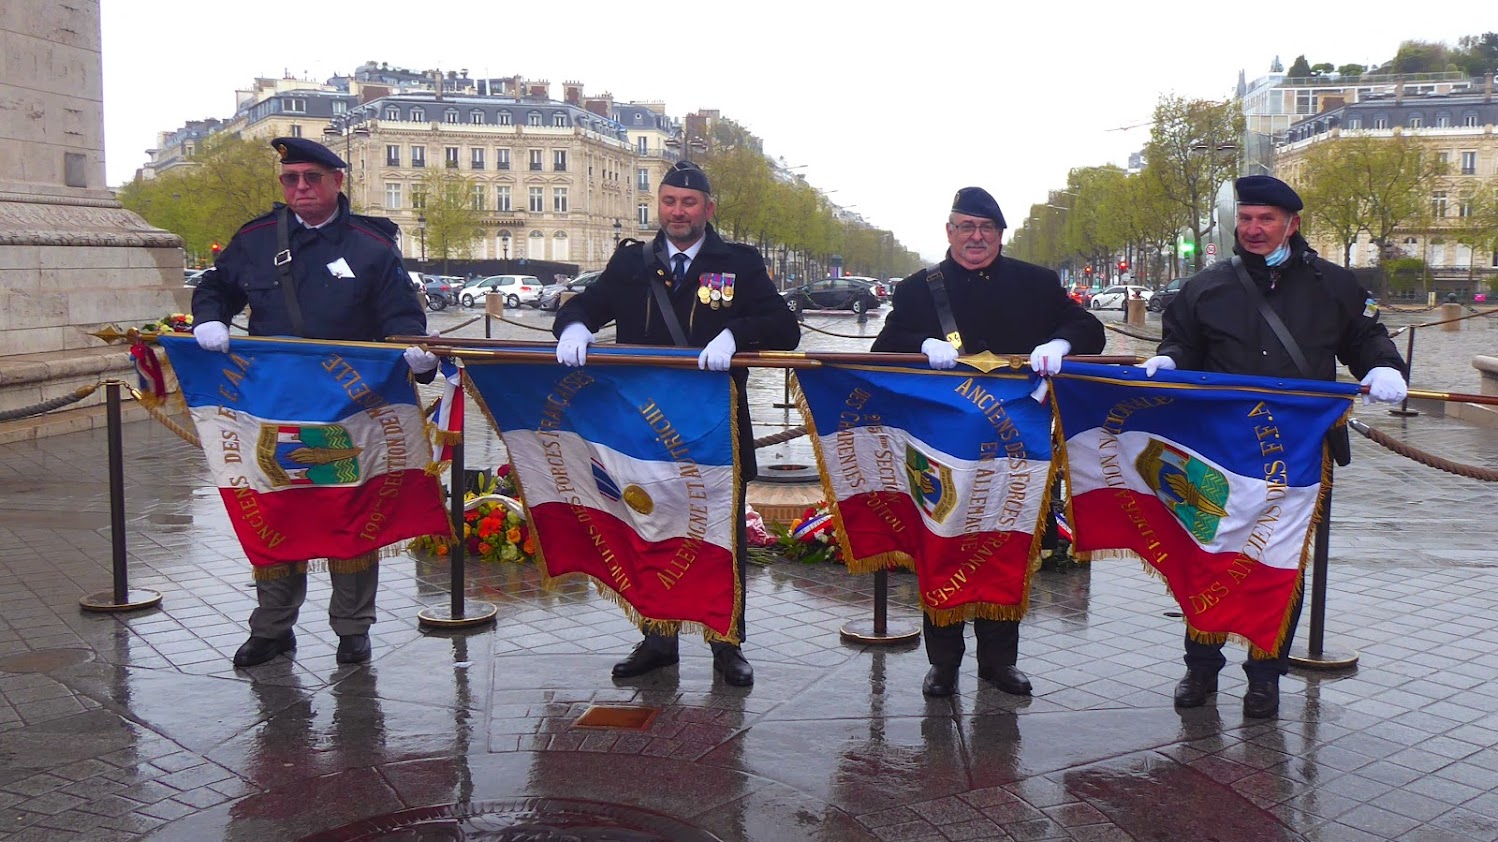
point(718, 353)
point(1045, 360)
point(572, 346)
point(212, 336)
point(1160, 363)
point(1385, 385)
point(939, 353)
point(420, 361)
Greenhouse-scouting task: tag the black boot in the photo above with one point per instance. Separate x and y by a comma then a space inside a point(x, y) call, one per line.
point(734, 667)
point(258, 650)
point(941, 681)
point(998, 652)
point(353, 648)
point(648, 655)
point(1193, 690)
point(1262, 699)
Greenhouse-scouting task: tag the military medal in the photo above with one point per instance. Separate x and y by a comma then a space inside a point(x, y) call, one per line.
point(703, 294)
point(728, 290)
point(716, 295)
point(716, 303)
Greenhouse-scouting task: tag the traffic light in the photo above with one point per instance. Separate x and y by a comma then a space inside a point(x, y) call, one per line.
point(1123, 265)
point(1187, 248)
point(215, 249)
point(1087, 270)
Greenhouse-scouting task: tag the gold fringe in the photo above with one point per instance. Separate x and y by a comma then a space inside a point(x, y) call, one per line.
point(854, 565)
point(357, 564)
point(447, 436)
point(157, 407)
point(272, 572)
point(437, 469)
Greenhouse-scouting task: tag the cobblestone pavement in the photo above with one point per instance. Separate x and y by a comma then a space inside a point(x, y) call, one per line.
point(120, 726)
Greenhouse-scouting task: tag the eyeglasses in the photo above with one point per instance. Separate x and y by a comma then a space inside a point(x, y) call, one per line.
point(290, 179)
point(967, 229)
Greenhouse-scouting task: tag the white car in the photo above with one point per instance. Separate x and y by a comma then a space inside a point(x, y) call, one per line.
point(1114, 297)
point(516, 289)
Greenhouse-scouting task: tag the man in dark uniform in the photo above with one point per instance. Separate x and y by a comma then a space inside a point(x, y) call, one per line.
point(720, 299)
point(996, 304)
point(310, 268)
point(1216, 324)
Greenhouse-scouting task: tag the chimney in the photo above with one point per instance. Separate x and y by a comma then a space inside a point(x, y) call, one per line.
point(1487, 88)
point(1399, 92)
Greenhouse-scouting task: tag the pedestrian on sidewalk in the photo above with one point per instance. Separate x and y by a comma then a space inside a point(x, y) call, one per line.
point(312, 268)
point(978, 300)
point(1275, 310)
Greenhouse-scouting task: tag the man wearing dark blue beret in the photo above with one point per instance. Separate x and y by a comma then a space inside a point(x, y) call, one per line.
point(1223, 321)
point(313, 269)
point(973, 301)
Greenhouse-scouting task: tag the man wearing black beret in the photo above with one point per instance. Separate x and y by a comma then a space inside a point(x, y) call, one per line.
point(1221, 321)
point(310, 268)
point(973, 301)
point(686, 287)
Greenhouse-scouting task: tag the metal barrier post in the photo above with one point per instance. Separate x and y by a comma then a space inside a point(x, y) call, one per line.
point(878, 631)
point(1315, 654)
point(120, 598)
point(457, 614)
point(1404, 410)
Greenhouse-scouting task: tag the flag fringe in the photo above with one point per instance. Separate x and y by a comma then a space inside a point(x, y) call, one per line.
point(272, 572)
point(974, 611)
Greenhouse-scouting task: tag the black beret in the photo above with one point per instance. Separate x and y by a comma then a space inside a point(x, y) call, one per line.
point(1267, 190)
point(975, 201)
point(687, 175)
point(300, 150)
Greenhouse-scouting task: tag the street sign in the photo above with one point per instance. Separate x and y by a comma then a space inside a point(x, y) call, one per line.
point(1211, 249)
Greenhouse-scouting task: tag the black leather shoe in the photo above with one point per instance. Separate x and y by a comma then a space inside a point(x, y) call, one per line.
point(353, 648)
point(1262, 700)
point(1194, 689)
point(940, 682)
point(1007, 678)
point(258, 650)
point(642, 660)
point(730, 661)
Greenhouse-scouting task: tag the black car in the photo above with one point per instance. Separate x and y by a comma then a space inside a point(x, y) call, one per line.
point(551, 294)
point(1161, 299)
point(440, 291)
point(834, 294)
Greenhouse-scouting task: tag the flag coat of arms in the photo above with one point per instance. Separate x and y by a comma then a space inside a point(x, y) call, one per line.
point(944, 473)
point(1213, 480)
point(319, 449)
point(630, 476)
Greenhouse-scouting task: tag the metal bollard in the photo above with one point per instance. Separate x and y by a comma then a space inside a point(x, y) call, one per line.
point(1404, 410)
point(458, 614)
point(120, 597)
point(1315, 655)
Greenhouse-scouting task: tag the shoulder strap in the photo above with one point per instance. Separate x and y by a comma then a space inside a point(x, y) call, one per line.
point(662, 299)
point(943, 306)
point(283, 268)
point(1273, 318)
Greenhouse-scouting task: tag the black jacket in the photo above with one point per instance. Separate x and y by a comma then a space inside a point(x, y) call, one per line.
point(1213, 324)
point(378, 301)
point(758, 318)
point(1009, 307)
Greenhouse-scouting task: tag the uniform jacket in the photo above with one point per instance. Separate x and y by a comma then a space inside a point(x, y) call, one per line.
point(1213, 325)
point(759, 317)
point(376, 302)
point(1009, 307)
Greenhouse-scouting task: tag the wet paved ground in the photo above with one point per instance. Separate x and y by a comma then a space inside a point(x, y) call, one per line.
point(136, 726)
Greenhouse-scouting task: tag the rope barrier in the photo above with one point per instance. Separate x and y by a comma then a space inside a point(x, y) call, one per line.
point(48, 405)
point(154, 407)
point(781, 437)
point(1473, 315)
point(1410, 452)
point(1135, 335)
point(805, 326)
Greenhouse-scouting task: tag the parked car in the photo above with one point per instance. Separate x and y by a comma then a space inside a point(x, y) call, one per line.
point(853, 294)
point(880, 289)
point(1117, 296)
point(1160, 300)
point(551, 294)
point(194, 277)
point(440, 291)
point(1082, 294)
point(516, 289)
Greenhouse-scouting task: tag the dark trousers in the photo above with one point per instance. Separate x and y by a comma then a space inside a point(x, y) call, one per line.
point(351, 608)
point(998, 643)
point(668, 642)
point(1207, 658)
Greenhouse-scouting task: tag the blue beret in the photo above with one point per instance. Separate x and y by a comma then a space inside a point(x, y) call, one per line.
point(975, 201)
point(1267, 190)
point(300, 150)
point(687, 175)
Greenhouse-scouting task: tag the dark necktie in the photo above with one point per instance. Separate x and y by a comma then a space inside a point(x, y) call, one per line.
point(679, 274)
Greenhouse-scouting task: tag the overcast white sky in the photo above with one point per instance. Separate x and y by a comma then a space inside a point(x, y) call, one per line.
point(892, 109)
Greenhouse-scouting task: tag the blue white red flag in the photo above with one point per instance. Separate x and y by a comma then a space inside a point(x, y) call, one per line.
point(447, 420)
point(945, 473)
point(630, 476)
point(1213, 480)
point(318, 448)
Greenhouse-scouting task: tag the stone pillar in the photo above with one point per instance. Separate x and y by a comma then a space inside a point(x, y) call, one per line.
point(1134, 312)
point(72, 260)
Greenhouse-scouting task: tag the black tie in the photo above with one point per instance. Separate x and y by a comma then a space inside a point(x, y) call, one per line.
point(679, 274)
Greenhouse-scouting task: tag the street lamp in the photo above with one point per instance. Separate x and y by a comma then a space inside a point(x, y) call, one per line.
point(421, 226)
point(618, 226)
point(346, 126)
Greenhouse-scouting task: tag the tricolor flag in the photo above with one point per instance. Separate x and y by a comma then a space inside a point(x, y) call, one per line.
point(945, 473)
point(1213, 480)
point(447, 420)
point(629, 474)
point(318, 448)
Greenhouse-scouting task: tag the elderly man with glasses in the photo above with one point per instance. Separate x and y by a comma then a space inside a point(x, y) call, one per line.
point(973, 301)
point(311, 268)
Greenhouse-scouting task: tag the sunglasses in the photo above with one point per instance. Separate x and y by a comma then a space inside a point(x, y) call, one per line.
point(290, 179)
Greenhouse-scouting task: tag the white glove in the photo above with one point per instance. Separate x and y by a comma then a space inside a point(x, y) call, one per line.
point(1045, 360)
point(1385, 385)
point(420, 361)
point(212, 336)
point(572, 347)
point(939, 353)
point(718, 353)
point(1160, 363)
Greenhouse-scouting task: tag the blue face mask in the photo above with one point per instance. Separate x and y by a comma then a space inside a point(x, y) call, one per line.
point(1278, 256)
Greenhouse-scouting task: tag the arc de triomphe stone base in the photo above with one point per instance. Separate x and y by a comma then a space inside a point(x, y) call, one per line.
point(72, 260)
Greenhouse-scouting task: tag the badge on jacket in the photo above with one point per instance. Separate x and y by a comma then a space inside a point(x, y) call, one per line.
point(715, 290)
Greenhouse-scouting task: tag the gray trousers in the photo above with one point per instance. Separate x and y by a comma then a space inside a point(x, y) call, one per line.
point(351, 609)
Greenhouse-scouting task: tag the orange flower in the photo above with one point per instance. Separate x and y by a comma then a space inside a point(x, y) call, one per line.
point(485, 548)
point(513, 536)
point(442, 549)
point(529, 546)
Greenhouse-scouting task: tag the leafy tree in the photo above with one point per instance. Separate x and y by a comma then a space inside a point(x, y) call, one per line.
point(1323, 69)
point(1300, 68)
point(1420, 57)
point(1352, 70)
point(741, 177)
point(452, 221)
point(1477, 54)
point(1335, 204)
point(1193, 149)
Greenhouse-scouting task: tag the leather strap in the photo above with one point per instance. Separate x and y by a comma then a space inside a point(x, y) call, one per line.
point(663, 298)
point(943, 307)
point(1273, 318)
point(283, 268)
